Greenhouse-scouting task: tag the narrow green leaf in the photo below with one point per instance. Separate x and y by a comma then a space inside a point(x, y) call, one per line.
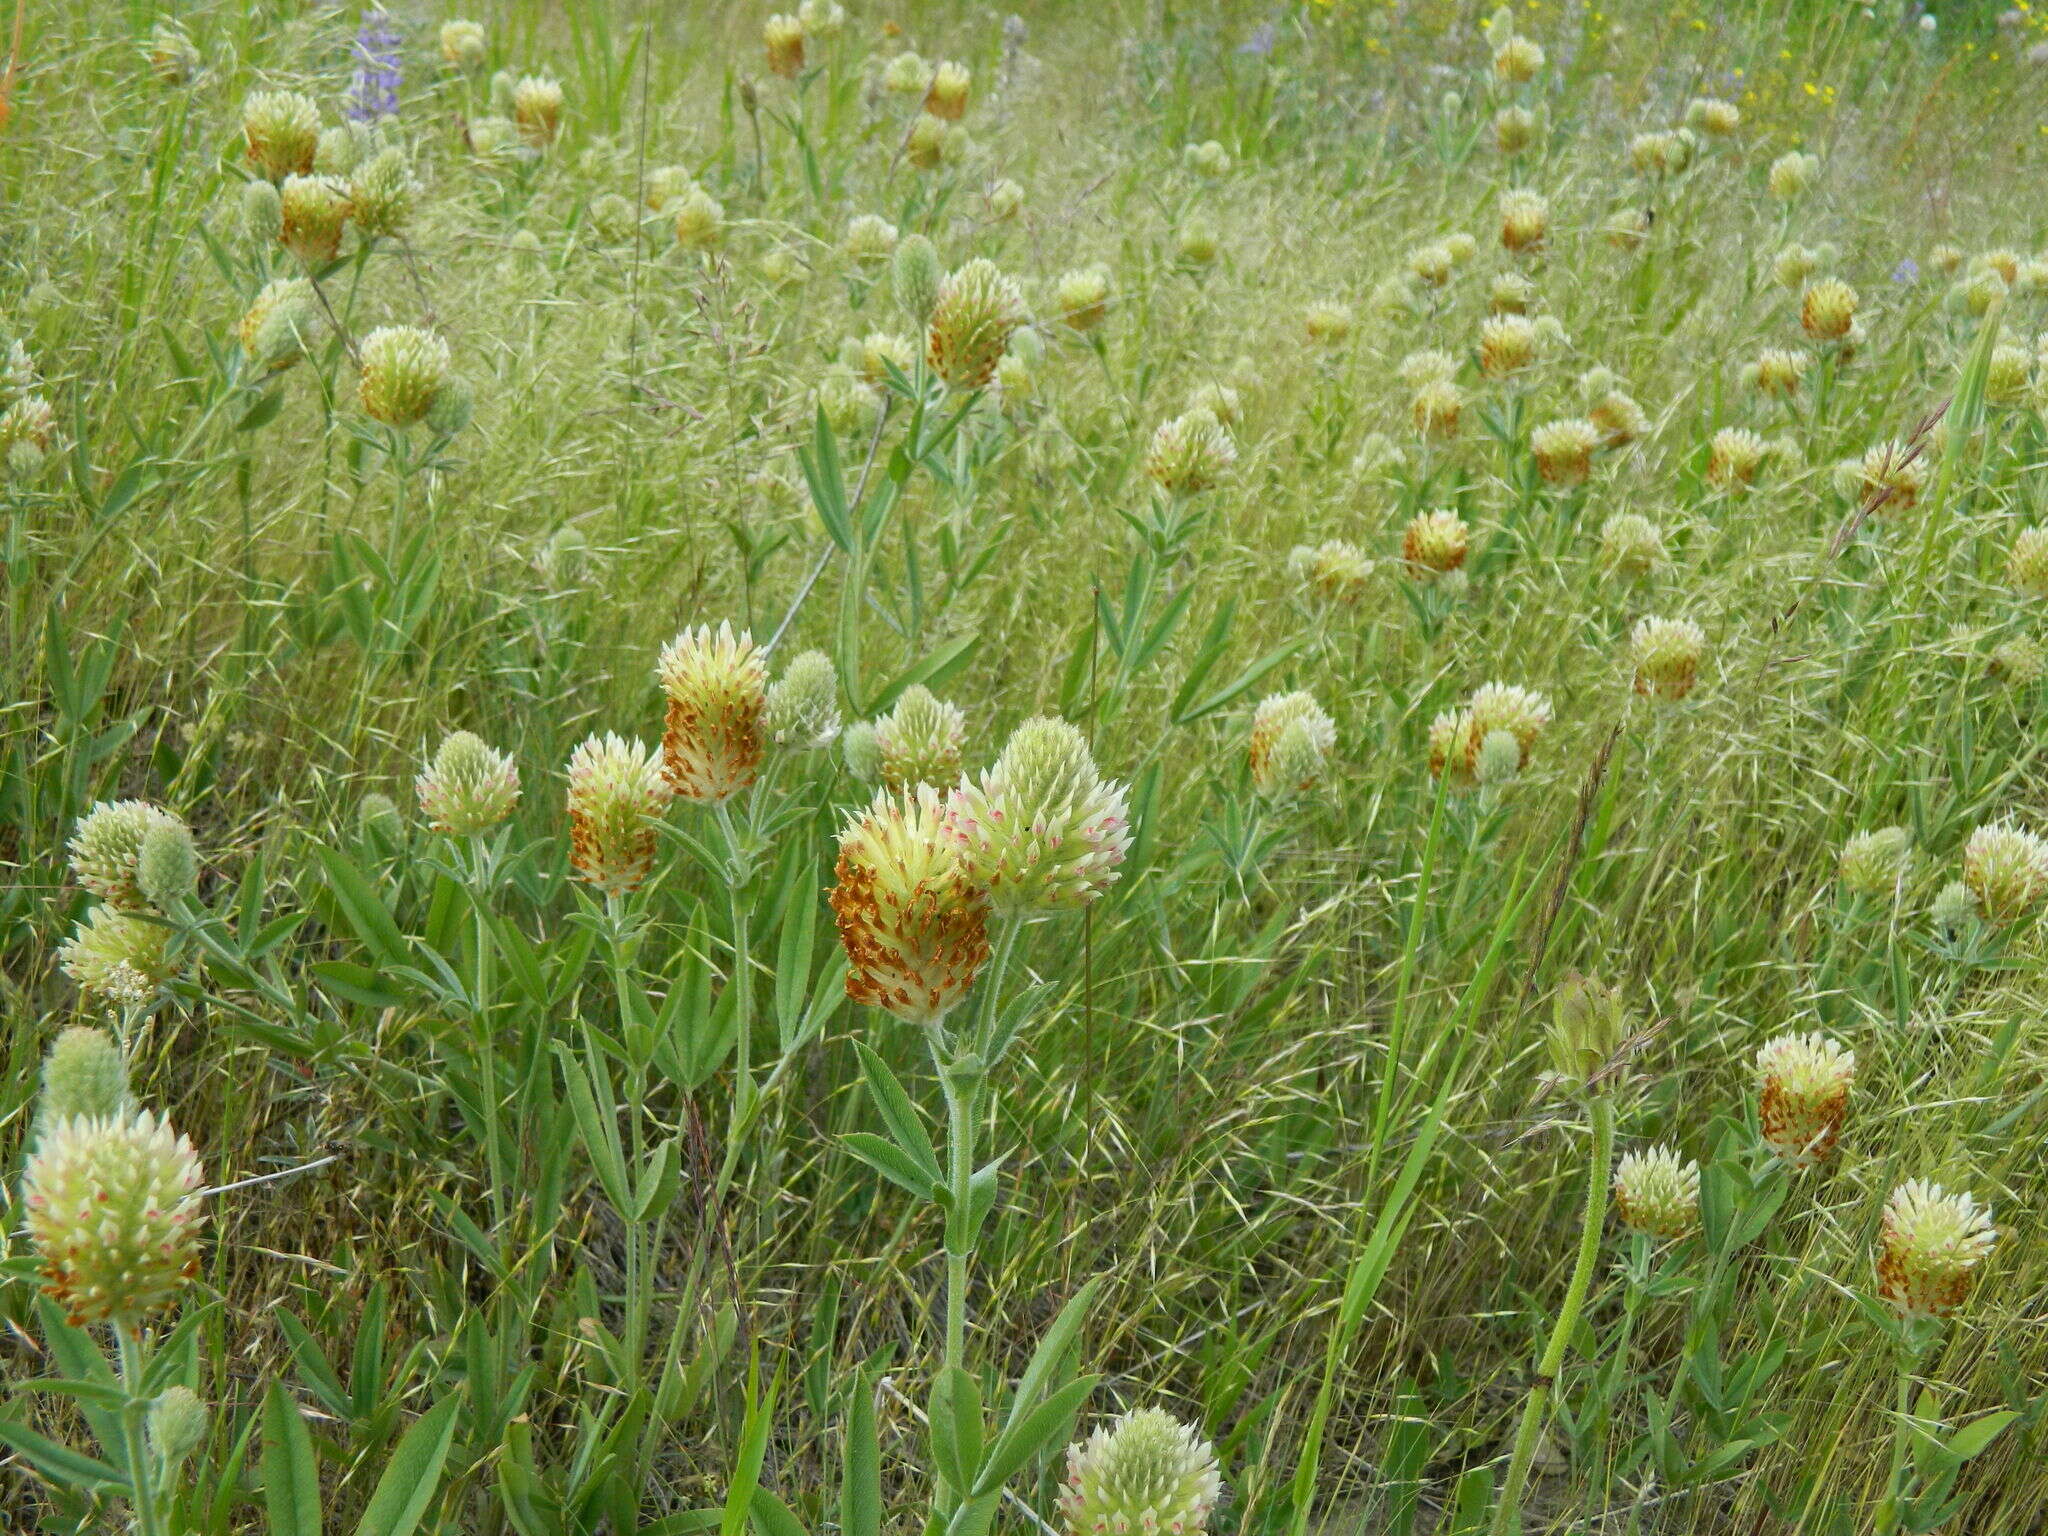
point(291, 1473)
point(413, 1475)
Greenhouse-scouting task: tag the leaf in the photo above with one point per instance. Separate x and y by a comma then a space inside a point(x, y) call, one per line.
point(860, 1491)
point(59, 1463)
point(1976, 1436)
point(363, 908)
point(933, 671)
point(291, 1474)
point(1246, 680)
point(263, 412)
point(828, 485)
point(1024, 1440)
point(773, 1517)
point(891, 1162)
point(899, 1115)
point(413, 1474)
point(1052, 1349)
point(746, 1475)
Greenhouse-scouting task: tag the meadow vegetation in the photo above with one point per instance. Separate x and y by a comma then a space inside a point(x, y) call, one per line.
point(1132, 770)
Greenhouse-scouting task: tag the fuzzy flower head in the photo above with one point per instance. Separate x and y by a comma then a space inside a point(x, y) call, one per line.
point(1929, 1248)
point(911, 918)
point(1432, 264)
point(1333, 571)
point(1891, 475)
point(2006, 868)
point(717, 687)
point(1291, 742)
point(977, 310)
point(802, 711)
point(946, 97)
point(1524, 220)
point(1327, 324)
point(869, 237)
point(782, 37)
point(1778, 371)
point(1457, 737)
point(1514, 130)
point(1563, 450)
point(313, 212)
point(119, 956)
point(1618, 418)
point(84, 1074)
point(1803, 1082)
point(106, 849)
point(1712, 116)
point(1190, 453)
point(1516, 59)
point(114, 1212)
point(172, 55)
point(1657, 1193)
point(381, 193)
point(1434, 544)
point(1143, 1474)
point(698, 220)
point(1042, 831)
point(537, 109)
point(281, 130)
point(462, 44)
point(920, 741)
point(279, 324)
point(1081, 298)
point(616, 795)
point(1631, 544)
point(1792, 174)
point(1876, 863)
point(906, 74)
point(915, 276)
point(1507, 344)
point(1827, 309)
point(1734, 457)
point(468, 787)
point(1666, 654)
point(1436, 408)
point(403, 370)
point(2026, 564)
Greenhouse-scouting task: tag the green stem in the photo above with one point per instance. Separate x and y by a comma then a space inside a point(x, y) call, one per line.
point(486, 1046)
point(990, 1002)
point(134, 1412)
point(959, 1245)
point(1887, 1520)
point(1507, 1513)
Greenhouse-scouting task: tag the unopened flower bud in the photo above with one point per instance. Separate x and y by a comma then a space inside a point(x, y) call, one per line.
point(802, 711)
point(403, 368)
point(1589, 1025)
point(468, 787)
point(920, 740)
point(177, 1426)
point(1291, 742)
point(84, 1074)
point(1876, 862)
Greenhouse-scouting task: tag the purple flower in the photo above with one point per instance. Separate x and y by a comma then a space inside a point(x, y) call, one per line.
point(374, 92)
point(1906, 272)
point(1260, 43)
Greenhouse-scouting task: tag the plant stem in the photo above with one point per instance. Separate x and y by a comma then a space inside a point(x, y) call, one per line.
point(142, 1489)
point(1887, 1520)
point(486, 1046)
point(1507, 1513)
point(960, 1158)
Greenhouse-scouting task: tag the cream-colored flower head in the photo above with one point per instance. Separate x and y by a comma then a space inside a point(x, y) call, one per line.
point(2010, 374)
point(172, 55)
point(802, 711)
point(1327, 324)
point(1734, 457)
point(1666, 655)
point(977, 311)
point(1514, 130)
point(2019, 661)
point(906, 75)
point(403, 369)
point(1434, 543)
point(85, 1073)
point(911, 918)
point(1208, 158)
point(462, 44)
point(1793, 265)
point(281, 130)
point(1042, 831)
point(617, 793)
point(1524, 220)
point(1291, 742)
point(717, 686)
point(1511, 293)
point(920, 741)
point(1564, 450)
point(1219, 400)
point(1081, 297)
point(1333, 571)
point(1619, 418)
point(1516, 60)
point(2006, 868)
point(2026, 563)
point(119, 956)
point(1713, 117)
point(381, 193)
point(1875, 863)
point(782, 38)
point(1657, 1193)
point(1827, 309)
point(1891, 475)
point(1658, 153)
point(946, 97)
point(1929, 1248)
point(106, 849)
point(113, 1208)
point(1803, 1084)
point(1432, 264)
point(1457, 737)
point(1507, 344)
point(1792, 174)
point(1632, 544)
point(1778, 371)
point(1004, 200)
point(1143, 1474)
point(869, 237)
point(1436, 409)
point(698, 220)
point(1190, 453)
point(468, 787)
point(537, 109)
point(313, 212)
